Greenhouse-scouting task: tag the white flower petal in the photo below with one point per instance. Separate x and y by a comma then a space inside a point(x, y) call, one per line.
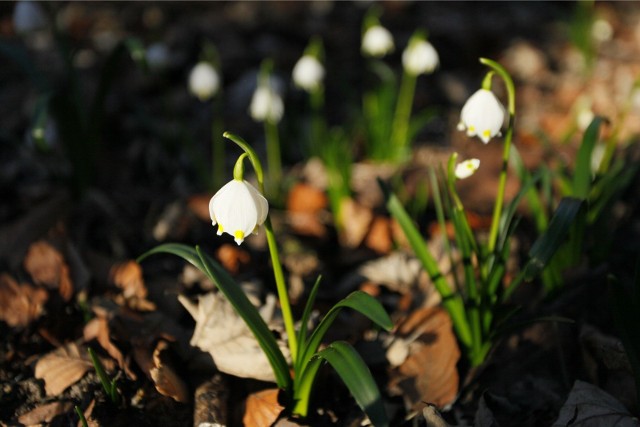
point(204, 81)
point(266, 105)
point(482, 115)
point(467, 168)
point(238, 208)
point(308, 73)
point(420, 57)
point(377, 41)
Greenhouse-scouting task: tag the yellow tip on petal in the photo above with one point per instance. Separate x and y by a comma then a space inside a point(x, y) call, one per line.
point(220, 230)
point(239, 236)
point(486, 133)
point(472, 128)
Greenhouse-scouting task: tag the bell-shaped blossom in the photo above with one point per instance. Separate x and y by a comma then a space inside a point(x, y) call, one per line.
point(467, 168)
point(28, 17)
point(377, 41)
point(420, 57)
point(308, 73)
point(482, 115)
point(266, 105)
point(239, 209)
point(204, 81)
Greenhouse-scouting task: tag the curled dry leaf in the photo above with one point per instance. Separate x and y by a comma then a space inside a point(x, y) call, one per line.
point(429, 372)
point(63, 367)
point(45, 413)
point(47, 267)
point(304, 205)
point(167, 382)
point(221, 332)
point(262, 408)
point(128, 277)
point(232, 257)
point(98, 329)
point(20, 304)
point(379, 236)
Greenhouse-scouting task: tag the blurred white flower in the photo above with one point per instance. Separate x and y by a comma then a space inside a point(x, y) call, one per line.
point(597, 155)
point(420, 57)
point(204, 81)
point(377, 41)
point(239, 209)
point(601, 30)
point(28, 17)
point(308, 73)
point(482, 115)
point(266, 104)
point(467, 168)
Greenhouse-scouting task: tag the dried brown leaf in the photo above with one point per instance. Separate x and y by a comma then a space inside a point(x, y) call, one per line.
point(232, 257)
point(62, 367)
point(262, 408)
point(429, 372)
point(306, 198)
point(98, 329)
point(128, 277)
point(379, 237)
point(45, 413)
point(20, 304)
point(199, 206)
point(356, 220)
point(167, 382)
point(47, 267)
point(88, 415)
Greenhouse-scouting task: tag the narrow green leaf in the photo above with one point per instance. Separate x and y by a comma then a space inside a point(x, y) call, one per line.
point(547, 244)
point(582, 176)
point(359, 301)
point(356, 376)
point(302, 333)
point(234, 294)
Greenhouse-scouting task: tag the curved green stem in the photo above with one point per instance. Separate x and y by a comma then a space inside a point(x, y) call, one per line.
point(278, 274)
point(511, 93)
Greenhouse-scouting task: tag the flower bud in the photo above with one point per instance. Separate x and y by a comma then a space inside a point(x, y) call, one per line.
point(308, 73)
point(204, 81)
point(377, 41)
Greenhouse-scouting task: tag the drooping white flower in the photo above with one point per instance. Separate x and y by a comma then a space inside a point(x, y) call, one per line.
point(377, 41)
point(420, 57)
point(266, 104)
point(467, 168)
point(308, 73)
point(482, 115)
point(239, 209)
point(28, 17)
point(204, 81)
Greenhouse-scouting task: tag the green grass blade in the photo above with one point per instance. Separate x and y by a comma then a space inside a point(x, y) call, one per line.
point(238, 300)
point(452, 302)
point(582, 176)
point(357, 377)
point(302, 333)
point(547, 244)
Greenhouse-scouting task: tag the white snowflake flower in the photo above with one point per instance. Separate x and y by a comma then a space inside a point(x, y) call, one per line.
point(467, 168)
point(266, 105)
point(308, 73)
point(204, 81)
point(420, 57)
point(482, 115)
point(377, 41)
point(238, 209)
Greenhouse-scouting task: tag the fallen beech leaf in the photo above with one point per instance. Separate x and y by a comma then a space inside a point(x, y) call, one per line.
point(47, 267)
point(20, 304)
point(45, 413)
point(221, 332)
point(62, 368)
point(128, 277)
point(306, 198)
point(262, 408)
point(356, 220)
point(167, 382)
point(379, 237)
point(589, 406)
point(429, 372)
point(232, 257)
point(98, 329)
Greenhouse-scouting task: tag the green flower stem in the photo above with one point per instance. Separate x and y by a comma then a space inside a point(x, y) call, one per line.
point(511, 93)
point(274, 164)
point(278, 274)
point(217, 145)
point(400, 127)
